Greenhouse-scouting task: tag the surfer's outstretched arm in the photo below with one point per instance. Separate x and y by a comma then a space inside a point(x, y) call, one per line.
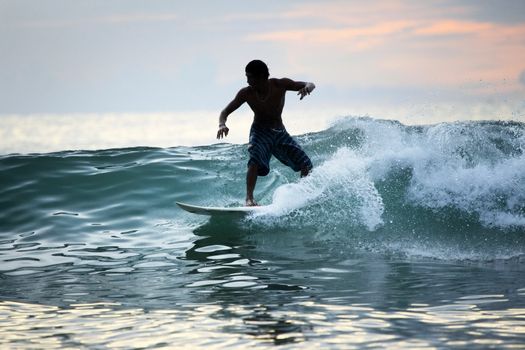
point(302, 87)
point(230, 108)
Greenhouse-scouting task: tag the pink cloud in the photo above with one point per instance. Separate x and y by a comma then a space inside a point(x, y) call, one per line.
point(408, 28)
point(436, 50)
point(330, 35)
point(447, 27)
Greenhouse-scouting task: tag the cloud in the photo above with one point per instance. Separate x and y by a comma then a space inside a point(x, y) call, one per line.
point(427, 51)
point(408, 28)
point(448, 27)
point(347, 12)
point(331, 35)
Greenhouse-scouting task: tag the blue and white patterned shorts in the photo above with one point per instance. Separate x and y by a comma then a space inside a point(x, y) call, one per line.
point(265, 142)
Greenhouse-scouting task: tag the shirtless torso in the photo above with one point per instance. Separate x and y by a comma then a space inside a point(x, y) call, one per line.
point(267, 108)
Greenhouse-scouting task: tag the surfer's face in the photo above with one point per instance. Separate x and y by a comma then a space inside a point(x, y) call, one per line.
point(255, 81)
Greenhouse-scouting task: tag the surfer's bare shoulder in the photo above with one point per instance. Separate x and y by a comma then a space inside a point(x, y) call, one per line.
point(238, 100)
point(243, 93)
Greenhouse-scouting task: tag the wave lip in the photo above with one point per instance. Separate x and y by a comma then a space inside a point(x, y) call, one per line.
point(475, 167)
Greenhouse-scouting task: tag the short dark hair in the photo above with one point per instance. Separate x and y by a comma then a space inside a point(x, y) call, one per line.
point(258, 68)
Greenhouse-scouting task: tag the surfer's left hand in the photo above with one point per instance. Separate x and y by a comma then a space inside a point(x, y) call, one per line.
point(309, 87)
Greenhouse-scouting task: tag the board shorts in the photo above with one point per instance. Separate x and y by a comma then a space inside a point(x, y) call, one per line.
point(265, 142)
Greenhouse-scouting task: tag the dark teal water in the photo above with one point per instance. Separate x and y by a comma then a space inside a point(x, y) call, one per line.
point(403, 236)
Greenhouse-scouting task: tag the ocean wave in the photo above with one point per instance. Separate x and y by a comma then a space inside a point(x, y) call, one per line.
point(456, 187)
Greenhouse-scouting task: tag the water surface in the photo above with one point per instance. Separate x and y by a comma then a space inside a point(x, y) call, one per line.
point(401, 237)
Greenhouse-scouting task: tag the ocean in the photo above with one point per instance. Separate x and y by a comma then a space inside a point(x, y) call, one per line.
point(401, 237)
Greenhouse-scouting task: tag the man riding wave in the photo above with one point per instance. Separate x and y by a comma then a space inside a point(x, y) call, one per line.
point(268, 136)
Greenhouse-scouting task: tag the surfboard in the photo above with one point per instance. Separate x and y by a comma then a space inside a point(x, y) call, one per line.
point(215, 211)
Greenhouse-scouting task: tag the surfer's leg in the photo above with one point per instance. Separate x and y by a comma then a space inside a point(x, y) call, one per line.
point(260, 150)
point(291, 154)
point(251, 180)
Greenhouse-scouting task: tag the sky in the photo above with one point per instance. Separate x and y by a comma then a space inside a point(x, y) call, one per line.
point(181, 62)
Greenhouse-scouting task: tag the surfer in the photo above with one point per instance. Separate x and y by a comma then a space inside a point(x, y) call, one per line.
point(268, 136)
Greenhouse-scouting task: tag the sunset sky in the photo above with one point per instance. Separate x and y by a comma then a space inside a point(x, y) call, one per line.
point(415, 61)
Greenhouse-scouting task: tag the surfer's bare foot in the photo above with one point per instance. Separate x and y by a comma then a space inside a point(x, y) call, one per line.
point(250, 202)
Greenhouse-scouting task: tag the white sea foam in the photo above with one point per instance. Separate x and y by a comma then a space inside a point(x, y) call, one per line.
point(343, 187)
point(476, 168)
point(459, 165)
point(467, 170)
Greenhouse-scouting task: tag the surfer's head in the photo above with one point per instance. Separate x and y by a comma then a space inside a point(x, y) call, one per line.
point(256, 70)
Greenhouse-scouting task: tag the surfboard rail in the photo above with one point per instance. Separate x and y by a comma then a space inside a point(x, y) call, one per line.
point(213, 211)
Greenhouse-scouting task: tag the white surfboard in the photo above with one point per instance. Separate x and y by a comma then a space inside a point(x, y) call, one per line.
point(215, 211)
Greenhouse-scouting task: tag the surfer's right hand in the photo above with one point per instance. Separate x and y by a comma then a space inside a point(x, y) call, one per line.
point(223, 131)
